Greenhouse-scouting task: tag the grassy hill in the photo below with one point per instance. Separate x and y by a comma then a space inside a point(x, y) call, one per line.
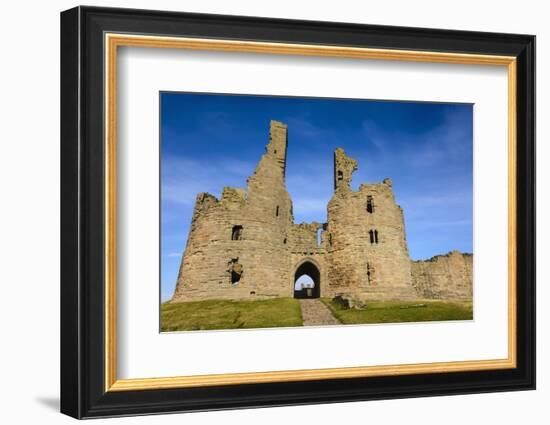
point(286, 312)
point(400, 311)
point(227, 314)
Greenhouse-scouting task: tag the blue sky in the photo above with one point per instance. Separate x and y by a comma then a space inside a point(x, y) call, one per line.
point(210, 141)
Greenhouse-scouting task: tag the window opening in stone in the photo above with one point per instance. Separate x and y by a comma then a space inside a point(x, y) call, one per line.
point(277, 211)
point(235, 277)
point(340, 175)
point(376, 236)
point(237, 233)
point(370, 204)
point(319, 231)
point(235, 270)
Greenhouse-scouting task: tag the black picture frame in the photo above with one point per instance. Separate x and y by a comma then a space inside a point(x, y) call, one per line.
point(83, 392)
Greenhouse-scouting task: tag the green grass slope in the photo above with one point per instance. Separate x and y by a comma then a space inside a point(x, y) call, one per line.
point(400, 311)
point(227, 314)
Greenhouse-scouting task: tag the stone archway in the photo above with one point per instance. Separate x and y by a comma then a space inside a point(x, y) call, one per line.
point(310, 269)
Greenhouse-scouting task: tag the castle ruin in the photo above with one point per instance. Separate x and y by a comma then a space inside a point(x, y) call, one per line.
point(247, 246)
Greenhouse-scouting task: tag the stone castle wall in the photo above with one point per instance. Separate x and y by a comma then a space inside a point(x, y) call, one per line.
point(444, 276)
point(307, 243)
point(246, 245)
point(367, 253)
point(255, 261)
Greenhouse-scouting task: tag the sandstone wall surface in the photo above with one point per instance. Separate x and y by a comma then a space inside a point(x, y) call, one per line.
point(446, 277)
point(307, 243)
point(367, 253)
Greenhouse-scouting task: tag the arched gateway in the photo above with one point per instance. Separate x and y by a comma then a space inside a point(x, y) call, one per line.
point(310, 269)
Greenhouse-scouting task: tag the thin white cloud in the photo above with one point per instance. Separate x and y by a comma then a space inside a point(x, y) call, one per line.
point(300, 126)
point(373, 135)
point(439, 199)
point(184, 178)
point(309, 206)
point(442, 223)
point(444, 143)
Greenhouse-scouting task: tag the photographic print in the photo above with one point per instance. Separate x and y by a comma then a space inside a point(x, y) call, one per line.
point(293, 211)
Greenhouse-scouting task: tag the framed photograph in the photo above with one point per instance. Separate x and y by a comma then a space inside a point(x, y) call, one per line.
point(261, 212)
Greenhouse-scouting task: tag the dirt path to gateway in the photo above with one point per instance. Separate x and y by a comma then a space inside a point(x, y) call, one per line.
point(315, 313)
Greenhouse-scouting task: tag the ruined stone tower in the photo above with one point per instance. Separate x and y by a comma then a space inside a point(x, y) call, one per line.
point(368, 251)
point(246, 244)
point(237, 245)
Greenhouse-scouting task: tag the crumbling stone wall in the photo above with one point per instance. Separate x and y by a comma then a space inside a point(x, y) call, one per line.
point(246, 245)
point(263, 213)
point(446, 277)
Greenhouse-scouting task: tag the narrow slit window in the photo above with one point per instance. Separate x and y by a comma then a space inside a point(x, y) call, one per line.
point(277, 211)
point(370, 204)
point(340, 175)
point(368, 274)
point(373, 236)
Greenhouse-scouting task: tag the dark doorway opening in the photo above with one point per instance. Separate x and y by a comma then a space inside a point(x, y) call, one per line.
point(311, 288)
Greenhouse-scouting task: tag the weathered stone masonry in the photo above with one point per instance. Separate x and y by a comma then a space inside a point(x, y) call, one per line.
point(444, 276)
point(246, 244)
